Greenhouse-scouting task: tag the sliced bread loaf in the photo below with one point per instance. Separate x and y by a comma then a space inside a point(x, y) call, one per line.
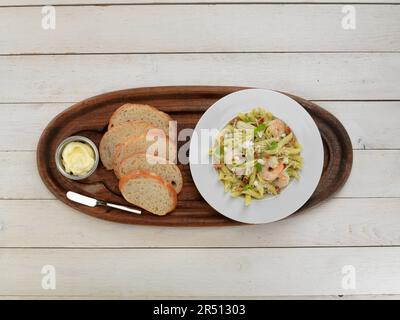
point(148, 191)
point(117, 135)
point(153, 143)
point(132, 112)
point(158, 165)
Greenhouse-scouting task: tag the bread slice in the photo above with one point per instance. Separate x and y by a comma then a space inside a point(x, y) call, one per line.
point(148, 191)
point(155, 142)
point(158, 165)
point(117, 135)
point(132, 112)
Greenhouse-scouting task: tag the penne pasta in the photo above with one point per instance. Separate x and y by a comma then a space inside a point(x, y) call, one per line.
point(259, 155)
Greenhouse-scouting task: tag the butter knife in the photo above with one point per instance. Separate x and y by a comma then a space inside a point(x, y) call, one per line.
point(91, 202)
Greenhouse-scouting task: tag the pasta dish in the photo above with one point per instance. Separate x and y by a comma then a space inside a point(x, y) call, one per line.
point(256, 155)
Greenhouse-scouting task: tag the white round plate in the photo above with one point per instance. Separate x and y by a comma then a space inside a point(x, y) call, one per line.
point(271, 208)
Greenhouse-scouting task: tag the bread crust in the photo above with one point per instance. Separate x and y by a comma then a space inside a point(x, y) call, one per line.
point(150, 175)
point(132, 140)
point(102, 148)
point(117, 169)
point(136, 105)
point(160, 160)
point(118, 148)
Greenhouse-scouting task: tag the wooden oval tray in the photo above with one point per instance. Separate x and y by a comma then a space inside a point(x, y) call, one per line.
point(185, 104)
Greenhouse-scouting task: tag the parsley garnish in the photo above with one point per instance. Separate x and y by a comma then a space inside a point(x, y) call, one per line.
point(247, 187)
point(272, 145)
point(260, 128)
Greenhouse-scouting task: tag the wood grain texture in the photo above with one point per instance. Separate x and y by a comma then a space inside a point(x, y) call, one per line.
point(337, 222)
point(366, 179)
point(373, 174)
point(314, 297)
point(370, 124)
point(216, 28)
point(185, 104)
point(200, 272)
point(322, 76)
point(88, 2)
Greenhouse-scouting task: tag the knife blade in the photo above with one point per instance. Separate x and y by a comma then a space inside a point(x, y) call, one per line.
point(91, 202)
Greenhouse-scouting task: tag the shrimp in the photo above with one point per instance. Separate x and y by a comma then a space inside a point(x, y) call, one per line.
point(283, 180)
point(270, 174)
point(278, 127)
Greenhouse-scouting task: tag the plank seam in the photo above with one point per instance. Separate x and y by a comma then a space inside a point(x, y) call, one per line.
point(354, 149)
point(201, 297)
point(334, 197)
point(319, 100)
point(199, 248)
point(38, 54)
point(182, 3)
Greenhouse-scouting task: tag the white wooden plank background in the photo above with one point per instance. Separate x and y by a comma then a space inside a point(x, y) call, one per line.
point(249, 28)
point(216, 298)
point(201, 272)
point(367, 178)
point(337, 222)
point(296, 47)
point(118, 2)
point(318, 76)
point(370, 124)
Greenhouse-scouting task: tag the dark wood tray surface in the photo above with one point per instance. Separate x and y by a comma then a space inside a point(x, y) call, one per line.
point(185, 104)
